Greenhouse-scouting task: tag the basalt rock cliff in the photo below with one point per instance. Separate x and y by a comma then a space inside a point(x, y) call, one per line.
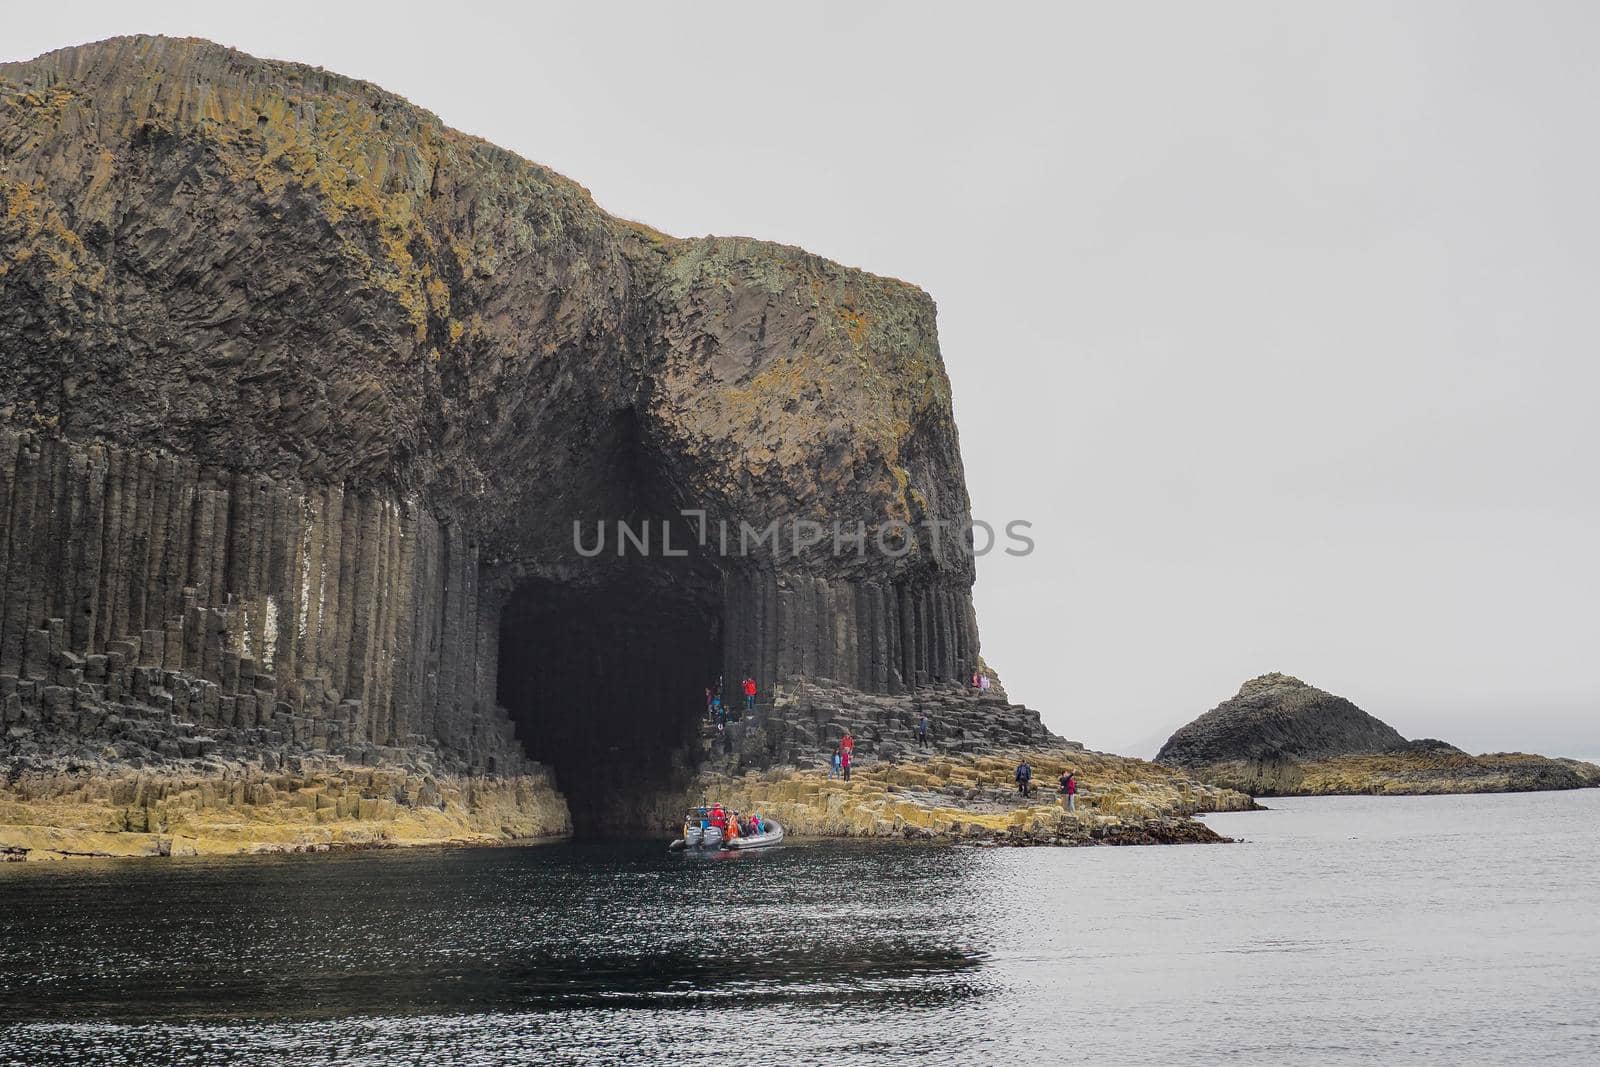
point(302, 394)
point(1279, 736)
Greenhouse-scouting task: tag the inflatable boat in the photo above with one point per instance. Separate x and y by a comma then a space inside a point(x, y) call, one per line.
point(710, 839)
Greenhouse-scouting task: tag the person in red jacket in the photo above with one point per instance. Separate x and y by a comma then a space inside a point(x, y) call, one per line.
point(846, 757)
point(749, 693)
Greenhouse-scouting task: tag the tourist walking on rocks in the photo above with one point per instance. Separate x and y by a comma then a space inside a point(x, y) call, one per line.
point(1069, 789)
point(922, 730)
point(846, 757)
point(834, 764)
point(1024, 777)
point(749, 693)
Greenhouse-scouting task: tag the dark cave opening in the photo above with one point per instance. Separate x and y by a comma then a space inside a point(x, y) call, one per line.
point(605, 681)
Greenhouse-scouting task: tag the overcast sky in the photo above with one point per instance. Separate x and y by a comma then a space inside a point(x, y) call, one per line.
point(1278, 321)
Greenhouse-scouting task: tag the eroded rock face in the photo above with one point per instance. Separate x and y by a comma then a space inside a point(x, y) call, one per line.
point(299, 388)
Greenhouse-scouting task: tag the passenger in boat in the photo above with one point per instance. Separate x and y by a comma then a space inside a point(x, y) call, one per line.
point(732, 833)
point(719, 818)
point(760, 823)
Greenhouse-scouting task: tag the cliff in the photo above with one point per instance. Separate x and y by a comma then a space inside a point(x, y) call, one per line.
point(1279, 736)
point(303, 395)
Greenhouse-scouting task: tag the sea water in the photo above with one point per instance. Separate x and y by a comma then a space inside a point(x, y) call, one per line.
point(1341, 930)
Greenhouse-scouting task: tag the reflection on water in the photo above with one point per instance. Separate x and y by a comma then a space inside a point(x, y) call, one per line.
point(472, 930)
point(1348, 930)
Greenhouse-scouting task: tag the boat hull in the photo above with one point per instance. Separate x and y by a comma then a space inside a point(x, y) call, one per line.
point(774, 836)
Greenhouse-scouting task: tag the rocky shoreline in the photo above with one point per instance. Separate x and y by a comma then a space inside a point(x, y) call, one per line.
point(973, 800)
point(312, 804)
point(140, 762)
point(1403, 773)
point(321, 804)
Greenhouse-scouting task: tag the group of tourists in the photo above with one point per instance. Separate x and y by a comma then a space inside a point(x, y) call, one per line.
point(1067, 790)
point(844, 754)
point(981, 681)
point(732, 824)
point(717, 712)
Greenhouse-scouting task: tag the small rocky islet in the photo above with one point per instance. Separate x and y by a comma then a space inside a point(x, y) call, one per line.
point(1279, 736)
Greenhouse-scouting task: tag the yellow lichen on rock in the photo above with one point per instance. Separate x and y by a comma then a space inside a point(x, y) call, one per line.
point(132, 813)
point(963, 797)
point(1414, 772)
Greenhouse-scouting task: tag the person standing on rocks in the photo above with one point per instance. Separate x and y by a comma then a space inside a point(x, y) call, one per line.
point(846, 757)
point(1069, 789)
point(922, 730)
point(1024, 777)
point(749, 693)
point(834, 764)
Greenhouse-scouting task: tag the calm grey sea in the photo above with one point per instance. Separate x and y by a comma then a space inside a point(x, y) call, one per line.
point(1343, 931)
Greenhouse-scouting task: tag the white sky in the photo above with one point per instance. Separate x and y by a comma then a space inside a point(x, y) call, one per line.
point(1278, 321)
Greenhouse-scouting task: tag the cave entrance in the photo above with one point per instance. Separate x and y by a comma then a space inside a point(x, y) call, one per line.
point(605, 680)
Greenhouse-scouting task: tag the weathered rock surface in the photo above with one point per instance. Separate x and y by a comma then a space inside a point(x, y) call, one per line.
point(973, 799)
point(1276, 716)
point(1281, 737)
point(809, 717)
point(301, 395)
point(106, 807)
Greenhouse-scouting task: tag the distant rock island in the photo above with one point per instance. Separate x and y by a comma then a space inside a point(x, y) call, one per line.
point(1279, 736)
